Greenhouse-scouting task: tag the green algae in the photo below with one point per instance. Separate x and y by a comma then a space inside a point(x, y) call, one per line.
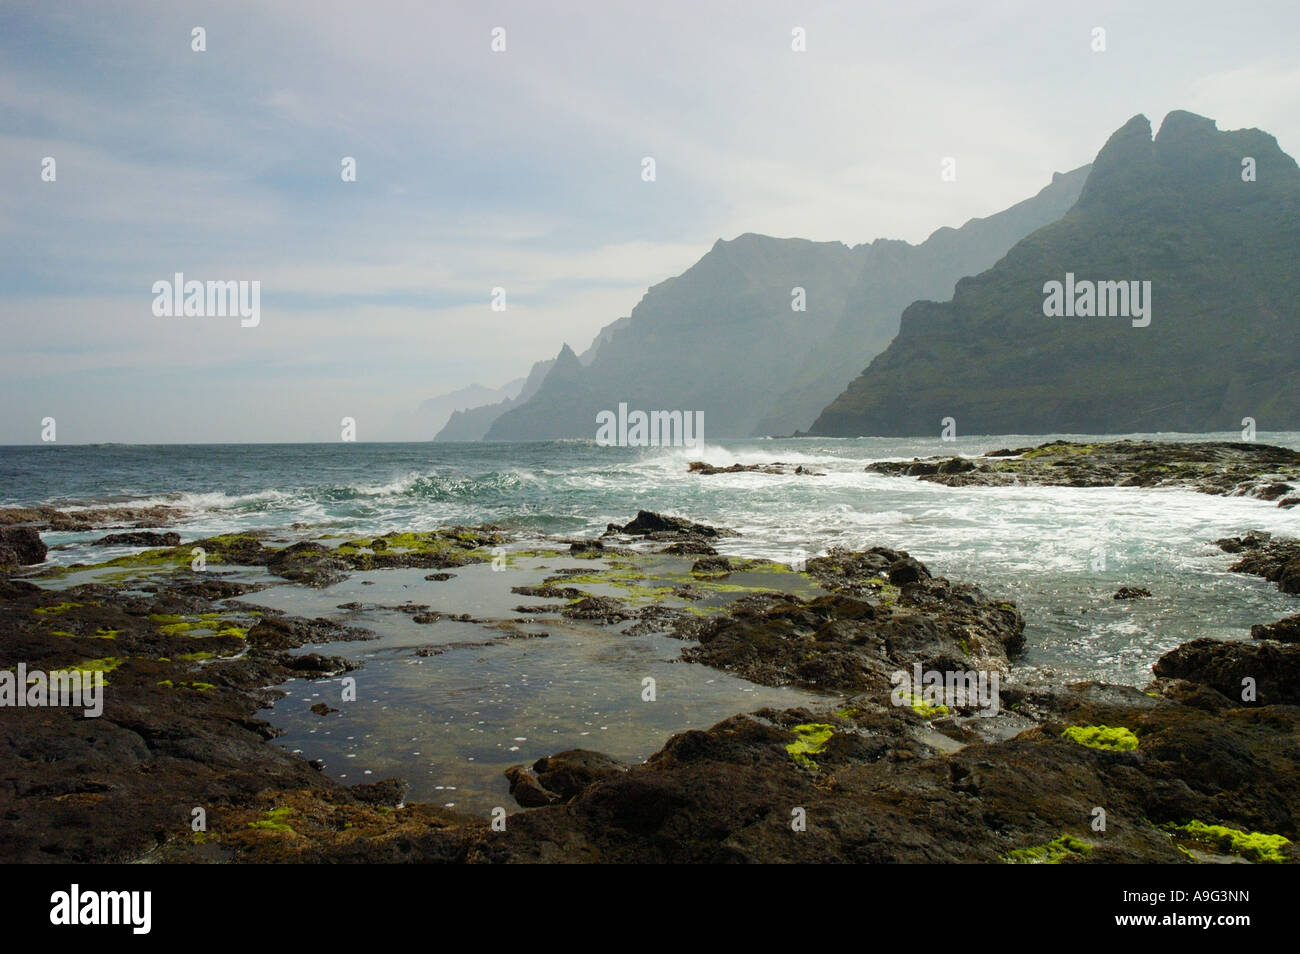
point(54, 610)
point(196, 686)
point(810, 740)
point(204, 624)
point(1251, 845)
point(104, 665)
point(889, 593)
point(273, 820)
point(924, 709)
point(432, 542)
point(1115, 738)
point(1051, 853)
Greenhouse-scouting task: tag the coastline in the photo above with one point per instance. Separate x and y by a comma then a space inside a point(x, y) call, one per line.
point(193, 658)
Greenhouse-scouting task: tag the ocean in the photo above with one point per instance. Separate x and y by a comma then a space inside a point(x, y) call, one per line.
point(1059, 553)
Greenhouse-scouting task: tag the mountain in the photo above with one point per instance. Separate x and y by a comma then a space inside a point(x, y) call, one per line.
point(1222, 340)
point(470, 423)
point(723, 337)
point(432, 415)
point(896, 274)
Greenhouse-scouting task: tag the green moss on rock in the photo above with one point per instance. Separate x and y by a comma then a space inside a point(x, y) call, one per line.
point(810, 740)
point(1251, 845)
point(1051, 853)
point(1115, 738)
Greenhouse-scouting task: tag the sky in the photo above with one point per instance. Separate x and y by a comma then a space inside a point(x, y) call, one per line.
point(518, 169)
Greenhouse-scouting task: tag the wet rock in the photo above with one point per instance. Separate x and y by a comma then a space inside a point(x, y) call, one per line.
point(390, 792)
point(314, 665)
point(527, 790)
point(1276, 560)
point(568, 774)
point(659, 527)
point(1250, 540)
point(707, 470)
point(712, 566)
point(690, 548)
point(21, 546)
point(1285, 630)
point(854, 639)
point(1229, 469)
point(321, 709)
point(907, 570)
point(92, 518)
point(1131, 593)
point(310, 563)
point(603, 609)
point(548, 590)
point(413, 609)
point(586, 546)
point(1226, 665)
point(439, 577)
point(139, 538)
point(279, 633)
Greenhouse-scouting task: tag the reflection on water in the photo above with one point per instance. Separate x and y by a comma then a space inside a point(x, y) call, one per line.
point(497, 693)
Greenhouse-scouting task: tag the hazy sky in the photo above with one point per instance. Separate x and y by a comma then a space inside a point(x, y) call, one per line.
point(519, 169)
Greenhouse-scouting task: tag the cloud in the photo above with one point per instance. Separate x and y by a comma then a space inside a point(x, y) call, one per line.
point(519, 169)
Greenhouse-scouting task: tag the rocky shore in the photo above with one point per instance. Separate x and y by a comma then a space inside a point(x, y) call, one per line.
point(1200, 765)
point(1227, 469)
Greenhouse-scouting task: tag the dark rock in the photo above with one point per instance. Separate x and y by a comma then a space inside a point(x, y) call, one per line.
point(309, 563)
point(322, 709)
point(1277, 561)
point(1223, 665)
point(389, 792)
point(657, 526)
point(1131, 593)
point(907, 570)
point(21, 546)
point(712, 566)
point(527, 790)
point(439, 577)
point(1285, 630)
point(690, 548)
point(568, 774)
point(599, 608)
point(139, 538)
point(317, 665)
point(1229, 469)
point(1273, 491)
